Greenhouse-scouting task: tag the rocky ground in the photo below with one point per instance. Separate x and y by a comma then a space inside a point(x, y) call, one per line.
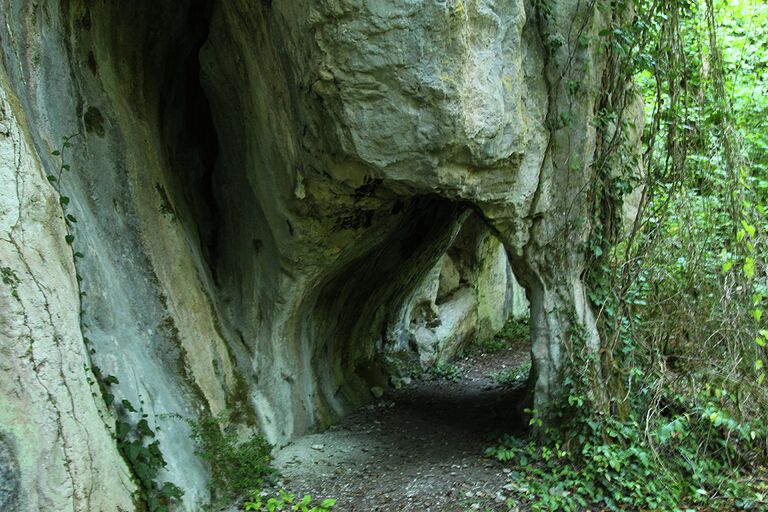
point(418, 448)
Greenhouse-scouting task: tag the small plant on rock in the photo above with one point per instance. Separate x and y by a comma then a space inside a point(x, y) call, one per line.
point(446, 371)
point(284, 501)
point(511, 376)
point(237, 466)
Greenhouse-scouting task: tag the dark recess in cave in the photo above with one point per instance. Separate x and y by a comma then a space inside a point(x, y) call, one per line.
point(355, 303)
point(189, 132)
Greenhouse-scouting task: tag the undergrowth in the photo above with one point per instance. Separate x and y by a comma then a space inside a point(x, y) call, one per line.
point(693, 457)
point(284, 501)
point(671, 413)
point(511, 376)
point(239, 464)
point(514, 331)
point(447, 371)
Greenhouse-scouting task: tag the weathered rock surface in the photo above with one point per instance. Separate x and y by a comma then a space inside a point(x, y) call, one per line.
point(56, 452)
point(470, 293)
point(262, 189)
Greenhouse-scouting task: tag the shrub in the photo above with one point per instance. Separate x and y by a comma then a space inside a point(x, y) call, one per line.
point(514, 331)
point(511, 376)
point(237, 466)
point(697, 456)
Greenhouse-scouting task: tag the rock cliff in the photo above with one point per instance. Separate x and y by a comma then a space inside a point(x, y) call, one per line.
point(269, 200)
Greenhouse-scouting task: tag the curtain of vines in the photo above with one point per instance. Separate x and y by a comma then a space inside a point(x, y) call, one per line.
point(680, 289)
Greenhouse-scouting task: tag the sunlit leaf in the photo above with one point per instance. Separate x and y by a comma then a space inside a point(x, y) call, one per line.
point(749, 267)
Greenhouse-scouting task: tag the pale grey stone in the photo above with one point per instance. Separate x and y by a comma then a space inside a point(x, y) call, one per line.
point(450, 278)
point(264, 193)
point(10, 486)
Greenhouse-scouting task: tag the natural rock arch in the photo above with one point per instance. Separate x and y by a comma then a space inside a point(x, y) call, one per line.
point(248, 234)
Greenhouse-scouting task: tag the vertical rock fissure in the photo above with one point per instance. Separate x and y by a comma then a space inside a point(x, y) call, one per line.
point(191, 140)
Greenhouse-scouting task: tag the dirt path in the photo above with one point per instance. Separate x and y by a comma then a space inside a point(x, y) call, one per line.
point(416, 449)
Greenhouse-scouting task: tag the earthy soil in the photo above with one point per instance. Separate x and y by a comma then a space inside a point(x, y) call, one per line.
point(419, 448)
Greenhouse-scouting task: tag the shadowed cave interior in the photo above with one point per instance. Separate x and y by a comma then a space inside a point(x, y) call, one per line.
point(352, 328)
point(273, 278)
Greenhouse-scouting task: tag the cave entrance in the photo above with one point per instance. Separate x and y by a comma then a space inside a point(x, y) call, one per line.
point(470, 300)
point(437, 286)
point(456, 357)
point(469, 330)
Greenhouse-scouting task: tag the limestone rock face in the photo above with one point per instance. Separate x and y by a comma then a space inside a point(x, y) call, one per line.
point(56, 451)
point(264, 192)
point(469, 294)
point(449, 278)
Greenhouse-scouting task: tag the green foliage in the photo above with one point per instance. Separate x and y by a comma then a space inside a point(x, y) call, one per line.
point(671, 414)
point(697, 456)
point(240, 465)
point(284, 501)
point(512, 376)
point(56, 181)
point(446, 371)
point(10, 278)
point(138, 445)
point(514, 331)
point(416, 372)
point(237, 466)
point(489, 345)
point(681, 300)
